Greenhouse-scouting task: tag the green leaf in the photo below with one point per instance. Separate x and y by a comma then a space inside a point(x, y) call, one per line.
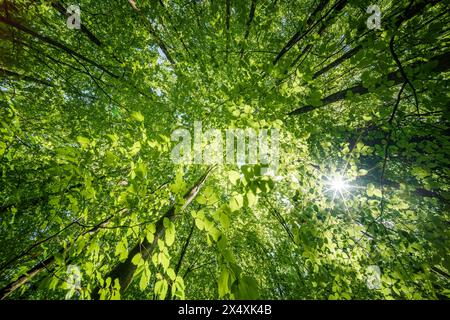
point(145, 278)
point(83, 141)
point(161, 288)
point(233, 176)
point(169, 231)
point(199, 223)
point(236, 202)
point(246, 288)
point(223, 282)
point(207, 196)
point(179, 185)
point(121, 250)
point(150, 237)
point(137, 259)
point(373, 191)
point(362, 172)
point(171, 273)
point(164, 260)
point(135, 148)
point(251, 198)
point(178, 288)
point(224, 220)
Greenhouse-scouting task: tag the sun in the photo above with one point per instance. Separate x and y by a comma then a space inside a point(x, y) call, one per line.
point(339, 184)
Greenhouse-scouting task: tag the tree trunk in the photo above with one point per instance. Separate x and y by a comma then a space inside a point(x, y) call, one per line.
point(124, 271)
point(43, 265)
point(412, 12)
point(443, 64)
point(54, 43)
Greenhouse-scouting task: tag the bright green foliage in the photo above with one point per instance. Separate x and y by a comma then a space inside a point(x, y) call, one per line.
point(86, 117)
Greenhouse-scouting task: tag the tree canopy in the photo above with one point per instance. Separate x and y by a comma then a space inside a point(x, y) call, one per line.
point(93, 207)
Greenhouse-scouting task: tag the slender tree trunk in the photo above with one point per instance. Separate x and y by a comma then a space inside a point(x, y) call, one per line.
point(12, 74)
point(43, 265)
point(13, 286)
point(300, 34)
point(248, 24)
point(153, 32)
point(182, 255)
point(339, 7)
point(412, 12)
point(61, 9)
point(54, 43)
point(227, 27)
point(442, 64)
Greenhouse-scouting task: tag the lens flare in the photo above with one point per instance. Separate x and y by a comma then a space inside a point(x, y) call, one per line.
point(339, 186)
